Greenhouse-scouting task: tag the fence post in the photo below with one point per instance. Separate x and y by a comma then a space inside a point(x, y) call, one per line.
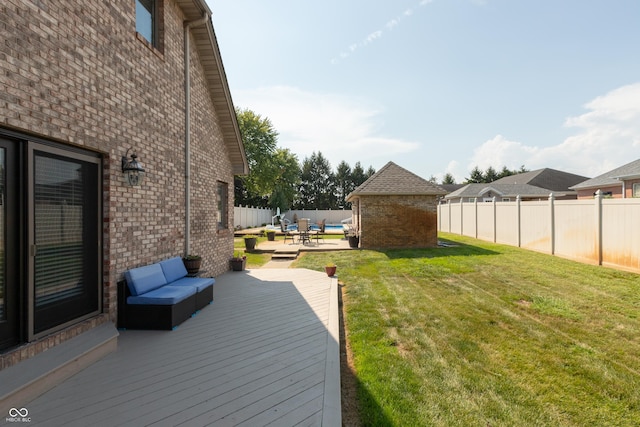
point(475, 210)
point(461, 216)
point(552, 199)
point(598, 200)
point(495, 220)
point(519, 225)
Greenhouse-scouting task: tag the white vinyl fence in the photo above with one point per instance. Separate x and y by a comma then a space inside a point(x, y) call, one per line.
point(331, 216)
point(599, 231)
point(246, 217)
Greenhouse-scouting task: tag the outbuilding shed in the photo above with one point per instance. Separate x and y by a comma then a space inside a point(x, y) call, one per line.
point(396, 208)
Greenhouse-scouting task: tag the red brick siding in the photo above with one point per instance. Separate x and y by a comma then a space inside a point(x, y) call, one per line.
point(616, 192)
point(398, 221)
point(629, 187)
point(75, 72)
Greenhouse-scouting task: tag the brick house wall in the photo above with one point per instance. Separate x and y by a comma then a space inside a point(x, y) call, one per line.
point(588, 193)
point(628, 184)
point(388, 221)
point(76, 73)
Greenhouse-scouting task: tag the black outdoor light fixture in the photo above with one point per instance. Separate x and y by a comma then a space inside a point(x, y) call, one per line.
point(132, 169)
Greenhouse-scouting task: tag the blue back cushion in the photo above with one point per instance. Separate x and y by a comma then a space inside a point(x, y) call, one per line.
point(145, 279)
point(173, 269)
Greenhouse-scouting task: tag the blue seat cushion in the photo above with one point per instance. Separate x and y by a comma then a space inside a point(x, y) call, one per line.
point(166, 295)
point(173, 269)
point(200, 283)
point(144, 279)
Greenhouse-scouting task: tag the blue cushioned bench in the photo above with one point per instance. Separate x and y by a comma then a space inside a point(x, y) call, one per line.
point(161, 296)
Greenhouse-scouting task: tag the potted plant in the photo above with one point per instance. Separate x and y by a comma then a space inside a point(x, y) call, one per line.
point(271, 235)
point(330, 268)
point(238, 262)
point(192, 263)
point(354, 238)
point(250, 242)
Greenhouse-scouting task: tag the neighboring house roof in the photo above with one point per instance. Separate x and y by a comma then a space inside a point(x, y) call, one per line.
point(549, 179)
point(502, 190)
point(449, 188)
point(211, 60)
point(613, 177)
point(392, 179)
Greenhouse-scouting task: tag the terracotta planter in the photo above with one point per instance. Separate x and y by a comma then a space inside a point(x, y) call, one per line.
point(192, 265)
point(238, 264)
point(331, 271)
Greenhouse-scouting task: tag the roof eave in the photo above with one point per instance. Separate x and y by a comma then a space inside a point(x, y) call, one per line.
point(211, 60)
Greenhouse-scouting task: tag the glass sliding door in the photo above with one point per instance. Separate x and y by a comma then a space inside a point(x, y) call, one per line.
point(64, 234)
point(9, 225)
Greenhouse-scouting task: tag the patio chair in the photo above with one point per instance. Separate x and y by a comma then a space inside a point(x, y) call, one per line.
point(284, 227)
point(303, 229)
point(318, 229)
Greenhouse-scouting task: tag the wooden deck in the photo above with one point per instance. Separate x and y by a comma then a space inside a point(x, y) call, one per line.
point(264, 353)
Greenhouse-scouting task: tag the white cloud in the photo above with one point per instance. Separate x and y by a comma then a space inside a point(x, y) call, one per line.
point(607, 136)
point(341, 127)
point(372, 37)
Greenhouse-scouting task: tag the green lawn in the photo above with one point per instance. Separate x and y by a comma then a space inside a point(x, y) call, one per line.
point(480, 334)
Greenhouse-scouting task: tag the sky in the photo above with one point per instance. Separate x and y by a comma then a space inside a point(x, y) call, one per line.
point(441, 86)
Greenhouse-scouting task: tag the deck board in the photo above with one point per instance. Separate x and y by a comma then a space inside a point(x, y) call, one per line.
point(256, 356)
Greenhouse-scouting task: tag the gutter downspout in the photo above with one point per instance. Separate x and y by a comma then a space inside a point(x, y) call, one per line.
point(187, 128)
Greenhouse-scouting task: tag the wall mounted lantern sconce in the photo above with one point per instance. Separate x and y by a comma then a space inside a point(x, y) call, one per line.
point(132, 169)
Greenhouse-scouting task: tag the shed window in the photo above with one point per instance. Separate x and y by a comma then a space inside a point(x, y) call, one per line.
point(636, 189)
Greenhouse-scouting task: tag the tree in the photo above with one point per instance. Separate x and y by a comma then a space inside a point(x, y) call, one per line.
point(357, 175)
point(448, 179)
point(369, 173)
point(476, 176)
point(287, 180)
point(260, 142)
point(317, 184)
point(490, 174)
point(344, 183)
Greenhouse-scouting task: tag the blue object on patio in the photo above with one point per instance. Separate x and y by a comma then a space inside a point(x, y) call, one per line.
point(176, 274)
point(160, 296)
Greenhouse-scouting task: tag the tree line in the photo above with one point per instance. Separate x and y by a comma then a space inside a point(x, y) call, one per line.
point(478, 176)
point(278, 180)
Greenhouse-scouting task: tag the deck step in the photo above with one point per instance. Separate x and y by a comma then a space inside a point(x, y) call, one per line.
point(285, 254)
point(25, 381)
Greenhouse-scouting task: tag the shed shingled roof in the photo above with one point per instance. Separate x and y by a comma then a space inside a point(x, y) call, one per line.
point(392, 179)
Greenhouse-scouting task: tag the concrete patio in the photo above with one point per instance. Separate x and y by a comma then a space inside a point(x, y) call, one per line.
point(266, 352)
